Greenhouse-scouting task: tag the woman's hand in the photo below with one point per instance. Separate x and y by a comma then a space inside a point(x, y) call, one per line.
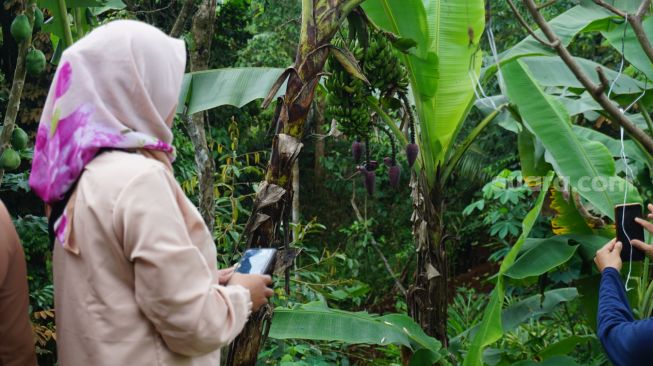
point(608, 256)
point(256, 284)
point(646, 248)
point(224, 275)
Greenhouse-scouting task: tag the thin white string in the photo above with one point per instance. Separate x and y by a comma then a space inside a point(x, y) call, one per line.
point(495, 55)
point(621, 63)
point(629, 174)
point(476, 83)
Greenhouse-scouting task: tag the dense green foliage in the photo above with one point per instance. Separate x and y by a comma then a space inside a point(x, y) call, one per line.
point(519, 230)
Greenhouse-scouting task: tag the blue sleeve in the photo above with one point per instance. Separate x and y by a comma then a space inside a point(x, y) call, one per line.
point(626, 341)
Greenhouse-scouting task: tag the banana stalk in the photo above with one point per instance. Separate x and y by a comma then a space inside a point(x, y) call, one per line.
point(320, 21)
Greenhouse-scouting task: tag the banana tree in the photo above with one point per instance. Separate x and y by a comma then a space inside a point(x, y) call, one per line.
point(442, 68)
point(578, 161)
point(578, 155)
point(319, 22)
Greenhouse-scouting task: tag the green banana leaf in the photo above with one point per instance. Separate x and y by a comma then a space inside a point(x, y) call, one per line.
point(587, 165)
point(233, 86)
point(566, 346)
point(442, 67)
point(491, 328)
point(633, 51)
point(550, 71)
point(567, 219)
point(631, 149)
point(545, 256)
point(582, 104)
point(528, 308)
point(316, 321)
point(584, 17)
point(531, 155)
point(553, 361)
point(109, 5)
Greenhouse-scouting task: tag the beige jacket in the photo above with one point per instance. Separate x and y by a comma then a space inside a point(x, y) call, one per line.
point(139, 283)
point(16, 337)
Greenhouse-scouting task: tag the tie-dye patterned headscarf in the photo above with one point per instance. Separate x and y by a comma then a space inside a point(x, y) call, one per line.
point(115, 88)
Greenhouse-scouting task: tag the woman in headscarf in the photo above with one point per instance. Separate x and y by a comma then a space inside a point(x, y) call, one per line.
point(135, 271)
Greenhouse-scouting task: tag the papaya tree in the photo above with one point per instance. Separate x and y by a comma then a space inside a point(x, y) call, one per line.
point(30, 60)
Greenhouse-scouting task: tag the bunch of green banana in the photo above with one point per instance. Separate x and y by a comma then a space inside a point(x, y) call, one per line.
point(382, 67)
point(346, 97)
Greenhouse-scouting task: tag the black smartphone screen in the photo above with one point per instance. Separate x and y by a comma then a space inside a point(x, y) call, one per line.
point(628, 228)
point(257, 261)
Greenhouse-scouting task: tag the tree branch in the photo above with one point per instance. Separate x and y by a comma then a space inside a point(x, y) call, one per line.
point(597, 91)
point(643, 7)
point(635, 21)
point(524, 24)
point(610, 8)
point(182, 18)
point(376, 245)
point(546, 4)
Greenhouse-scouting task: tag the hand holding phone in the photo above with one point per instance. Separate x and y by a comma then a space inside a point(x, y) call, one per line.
point(628, 229)
point(648, 226)
point(253, 272)
point(258, 286)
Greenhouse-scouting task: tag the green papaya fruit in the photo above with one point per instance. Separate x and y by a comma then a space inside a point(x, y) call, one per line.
point(20, 28)
point(35, 62)
point(10, 160)
point(19, 139)
point(38, 19)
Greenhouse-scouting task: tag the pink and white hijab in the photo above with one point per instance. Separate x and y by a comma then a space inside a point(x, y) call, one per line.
point(117, 87)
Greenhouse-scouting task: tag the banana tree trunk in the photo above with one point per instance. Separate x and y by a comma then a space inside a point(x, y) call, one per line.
point(320, 21)
point(428, 296)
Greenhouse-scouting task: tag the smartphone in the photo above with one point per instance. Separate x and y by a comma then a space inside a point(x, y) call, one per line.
point(628, 229)
point(257, 261)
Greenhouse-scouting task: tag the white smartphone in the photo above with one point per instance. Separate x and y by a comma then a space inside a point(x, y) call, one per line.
point(257, 261)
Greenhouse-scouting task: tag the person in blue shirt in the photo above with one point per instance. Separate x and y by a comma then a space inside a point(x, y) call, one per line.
point(628, 342)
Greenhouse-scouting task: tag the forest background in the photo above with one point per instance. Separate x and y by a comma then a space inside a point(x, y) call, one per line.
point(511, 256)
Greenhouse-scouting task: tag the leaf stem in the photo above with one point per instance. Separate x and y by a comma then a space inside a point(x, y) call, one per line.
point(458, 154)
point(63, 10)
